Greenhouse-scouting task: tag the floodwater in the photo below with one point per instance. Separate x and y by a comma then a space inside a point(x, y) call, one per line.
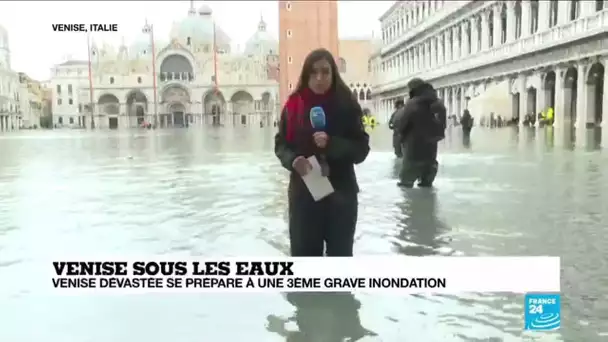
point(221, 192)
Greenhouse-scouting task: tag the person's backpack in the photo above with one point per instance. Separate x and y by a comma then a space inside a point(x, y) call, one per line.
point(435, 122)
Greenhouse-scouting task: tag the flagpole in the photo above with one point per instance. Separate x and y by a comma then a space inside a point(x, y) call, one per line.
point(215, 82)
point(150, 29)
point(92, 101)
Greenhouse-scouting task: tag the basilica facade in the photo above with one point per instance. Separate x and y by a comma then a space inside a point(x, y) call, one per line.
point(194, 84)
point(509, 58)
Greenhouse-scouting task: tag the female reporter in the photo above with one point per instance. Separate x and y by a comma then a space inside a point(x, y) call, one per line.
point(341, 144)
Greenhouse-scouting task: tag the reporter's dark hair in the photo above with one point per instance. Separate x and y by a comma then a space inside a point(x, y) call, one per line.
point(337, 83)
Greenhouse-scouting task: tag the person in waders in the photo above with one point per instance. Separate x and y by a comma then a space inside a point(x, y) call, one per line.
point(324, 227)
point(421, 127)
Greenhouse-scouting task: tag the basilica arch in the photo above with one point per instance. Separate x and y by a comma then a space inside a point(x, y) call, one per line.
point(214, 107)
point(176, 67)
point(108, 104)
point(242, 105)
point(176, 101)
point(137, 107)
point(265, 111)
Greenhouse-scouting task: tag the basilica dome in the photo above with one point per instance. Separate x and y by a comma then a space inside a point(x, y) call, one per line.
point(262, 42)
point(142, 45)
point(198, 26)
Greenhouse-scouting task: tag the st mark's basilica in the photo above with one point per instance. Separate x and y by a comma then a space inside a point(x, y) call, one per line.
point(195, 83)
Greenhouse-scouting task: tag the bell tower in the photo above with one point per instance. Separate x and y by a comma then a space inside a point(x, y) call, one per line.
point(303, 27)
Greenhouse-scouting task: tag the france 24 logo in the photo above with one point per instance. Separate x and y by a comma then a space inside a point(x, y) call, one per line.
point(542, 311)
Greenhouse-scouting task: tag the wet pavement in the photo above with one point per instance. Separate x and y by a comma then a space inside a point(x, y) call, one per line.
point(221, 192)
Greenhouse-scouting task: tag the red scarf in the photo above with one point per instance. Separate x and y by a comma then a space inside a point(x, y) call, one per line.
point(297, 105)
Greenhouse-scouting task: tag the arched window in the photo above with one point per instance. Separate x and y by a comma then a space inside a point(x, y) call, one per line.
point(361, 95)
point(368, 96)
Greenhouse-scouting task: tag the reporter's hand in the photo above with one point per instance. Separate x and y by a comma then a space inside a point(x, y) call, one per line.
point(301, 165)
point(320, 139)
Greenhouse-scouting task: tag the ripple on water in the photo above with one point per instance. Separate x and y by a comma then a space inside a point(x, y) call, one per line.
point(220, 192)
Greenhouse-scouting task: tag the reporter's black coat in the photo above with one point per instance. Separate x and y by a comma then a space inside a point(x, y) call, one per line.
point(333, 219)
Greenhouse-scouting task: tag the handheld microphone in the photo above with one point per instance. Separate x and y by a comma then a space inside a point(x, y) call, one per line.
point(317, 118)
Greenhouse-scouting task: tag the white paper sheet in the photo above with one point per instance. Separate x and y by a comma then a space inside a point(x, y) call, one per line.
point(318, 185)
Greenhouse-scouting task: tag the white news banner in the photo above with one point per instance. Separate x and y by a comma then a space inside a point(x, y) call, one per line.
point(318, 185)
point(383, 274)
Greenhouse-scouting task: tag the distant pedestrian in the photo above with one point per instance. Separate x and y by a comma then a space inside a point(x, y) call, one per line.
point(391, 124)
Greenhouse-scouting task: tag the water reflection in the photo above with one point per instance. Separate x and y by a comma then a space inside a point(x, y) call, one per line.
point(466, 140)
point(321, 317)
point(419, 225)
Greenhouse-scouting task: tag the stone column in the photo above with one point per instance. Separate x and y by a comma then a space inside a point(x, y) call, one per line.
point(433, 52)
point(424, 55)
point(456, 42)
point(485, 30)
point(523, 98)
point(421, 56)
point(447, 101)
point(448, 46)
point(412, 60)
point(559, 110)
point(525, 18)
point(582, 115)
point(474, 34)
point(440, 47)
point(587, 8)
point(497, 25)
point(510, 21)
point(463, 98)
point(399, 65)
point(540, 98)
point(454, 105)
point(429, 56)
point(543, 15)
point(563, 12)
point(464, 26)
point(413, 57)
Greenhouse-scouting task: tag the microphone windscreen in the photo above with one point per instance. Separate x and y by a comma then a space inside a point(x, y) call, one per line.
point(317, 118)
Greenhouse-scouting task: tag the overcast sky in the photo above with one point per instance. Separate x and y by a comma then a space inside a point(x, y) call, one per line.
point(36, 48)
